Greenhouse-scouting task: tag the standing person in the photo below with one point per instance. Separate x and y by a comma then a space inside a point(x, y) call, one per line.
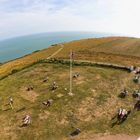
point(11, 102)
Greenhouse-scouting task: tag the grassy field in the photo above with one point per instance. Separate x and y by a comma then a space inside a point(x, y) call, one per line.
point(94, 103)
point(95, 99)
point(118, 50)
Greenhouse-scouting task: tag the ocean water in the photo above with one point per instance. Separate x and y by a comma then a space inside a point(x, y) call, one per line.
point(20, 46)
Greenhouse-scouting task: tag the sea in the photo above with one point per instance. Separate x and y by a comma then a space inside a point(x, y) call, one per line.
point(19, 46)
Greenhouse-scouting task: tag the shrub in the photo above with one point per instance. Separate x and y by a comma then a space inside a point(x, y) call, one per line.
point(14, 71)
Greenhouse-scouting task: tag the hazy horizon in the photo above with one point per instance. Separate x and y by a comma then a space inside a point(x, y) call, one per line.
point(18, 18)
point(54, 32)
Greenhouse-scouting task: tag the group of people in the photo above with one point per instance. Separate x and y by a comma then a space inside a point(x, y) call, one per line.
point(122, 112)
point(54, 85)
point(134, 69)
point(26, 120)
point(136, 93)
point(124, 93)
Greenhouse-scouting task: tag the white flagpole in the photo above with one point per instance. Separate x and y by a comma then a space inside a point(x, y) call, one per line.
point(70, 92)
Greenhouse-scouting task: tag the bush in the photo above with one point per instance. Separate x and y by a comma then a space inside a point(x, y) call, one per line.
point(36, 51)
point(14, 71)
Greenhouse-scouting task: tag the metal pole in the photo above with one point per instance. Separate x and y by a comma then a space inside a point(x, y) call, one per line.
point(71, 71)
point(70, 92)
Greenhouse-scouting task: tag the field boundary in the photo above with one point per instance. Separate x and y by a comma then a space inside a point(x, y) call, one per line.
point(89, 63)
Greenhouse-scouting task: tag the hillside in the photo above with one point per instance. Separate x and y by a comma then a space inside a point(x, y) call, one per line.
point(95, 100)
point(118, 50)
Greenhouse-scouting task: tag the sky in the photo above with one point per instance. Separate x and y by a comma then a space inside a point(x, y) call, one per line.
point(22, 17)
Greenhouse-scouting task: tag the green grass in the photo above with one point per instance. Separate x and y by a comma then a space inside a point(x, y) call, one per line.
point(91, 108)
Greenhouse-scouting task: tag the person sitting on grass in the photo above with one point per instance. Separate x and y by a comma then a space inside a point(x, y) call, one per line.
point(136, 94)
point(123, 114)
point(54, 86)
point(26, 120)
point(30, 88)
point(137, 105)
point(76, 132)
point(136, 78)
point(76, 75)
point(46, 80)
point(123, 93)
point(138, 70)
point(131, 69)
point(47, 103)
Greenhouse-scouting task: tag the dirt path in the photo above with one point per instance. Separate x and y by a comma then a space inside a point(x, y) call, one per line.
point(55, 53)
point(114, 137)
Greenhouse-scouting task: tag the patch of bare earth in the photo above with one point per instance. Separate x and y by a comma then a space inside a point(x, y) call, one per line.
point(79, 80)
point(88, 109)
point(7, 133)
point(60, 95)
point(36, 71)
point(84, 112)
point(114, 137)
point(63, 121)
point(63, 75)
point(6, 129)
point(28, 95)
point(44, 115)
point(112, 104)
point(105, 136)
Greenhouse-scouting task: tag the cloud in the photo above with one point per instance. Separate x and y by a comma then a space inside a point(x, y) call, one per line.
point(33, 16)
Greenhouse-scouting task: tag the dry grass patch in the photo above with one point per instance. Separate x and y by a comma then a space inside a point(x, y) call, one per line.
point(28, 95)
point(80, 80)
point(44, 115)
point(84, 112)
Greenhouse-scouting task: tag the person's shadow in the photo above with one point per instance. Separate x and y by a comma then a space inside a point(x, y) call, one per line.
point(7, 109)
point(76, 132)
point(21, 109)
point(23, 125)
